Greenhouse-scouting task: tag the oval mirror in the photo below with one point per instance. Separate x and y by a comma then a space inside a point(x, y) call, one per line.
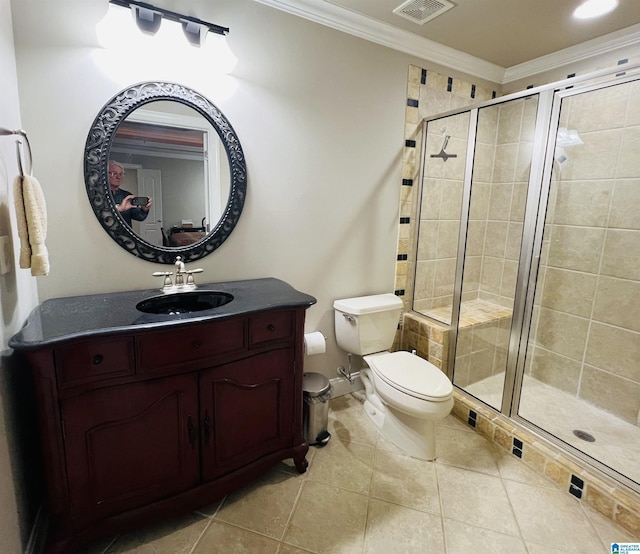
point(165, 172)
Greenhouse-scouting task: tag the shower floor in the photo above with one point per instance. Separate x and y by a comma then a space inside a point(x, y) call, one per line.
point(617, 443)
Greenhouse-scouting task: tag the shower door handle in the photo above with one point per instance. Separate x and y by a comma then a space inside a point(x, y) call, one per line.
point(533, 273)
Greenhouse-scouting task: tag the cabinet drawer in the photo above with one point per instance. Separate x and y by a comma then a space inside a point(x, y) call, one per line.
point(270, 326)
point(87, 361)
point(190, 344)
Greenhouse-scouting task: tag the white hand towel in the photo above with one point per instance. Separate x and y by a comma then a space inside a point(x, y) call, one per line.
point(31, 213)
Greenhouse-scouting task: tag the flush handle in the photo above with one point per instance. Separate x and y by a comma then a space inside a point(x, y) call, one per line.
point(349, 318)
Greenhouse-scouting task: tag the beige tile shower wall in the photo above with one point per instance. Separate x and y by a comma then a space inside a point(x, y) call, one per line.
point(428, 338)
point(587, 337)
point(428, 93)
point(441, 202)
point(503, 176)
point(500, 181)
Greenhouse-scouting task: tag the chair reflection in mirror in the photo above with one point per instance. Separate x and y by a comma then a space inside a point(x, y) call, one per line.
point(185, 234)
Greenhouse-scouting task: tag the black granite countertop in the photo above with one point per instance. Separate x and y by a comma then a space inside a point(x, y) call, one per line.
point(61, 319)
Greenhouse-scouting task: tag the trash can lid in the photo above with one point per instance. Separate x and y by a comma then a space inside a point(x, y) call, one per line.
point(315, 384)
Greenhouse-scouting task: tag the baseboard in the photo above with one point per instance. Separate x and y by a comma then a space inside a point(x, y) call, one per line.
point(341, 386)
point(38, 535)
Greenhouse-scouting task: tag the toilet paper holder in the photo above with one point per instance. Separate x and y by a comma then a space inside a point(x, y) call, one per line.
point(314, 343)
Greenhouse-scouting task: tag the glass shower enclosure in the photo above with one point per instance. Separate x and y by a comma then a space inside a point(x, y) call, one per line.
point(528, 246)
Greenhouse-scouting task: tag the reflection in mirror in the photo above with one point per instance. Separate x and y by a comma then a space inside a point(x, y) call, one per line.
point(178, 159)
point(172, 155)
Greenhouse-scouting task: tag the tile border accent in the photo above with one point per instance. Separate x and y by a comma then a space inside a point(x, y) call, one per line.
point(576, 487)
point(516, 450)
point(608, 497)
point(472, 420)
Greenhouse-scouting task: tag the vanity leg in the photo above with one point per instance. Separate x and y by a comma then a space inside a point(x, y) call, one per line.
point(299, 457)
point(301, 465)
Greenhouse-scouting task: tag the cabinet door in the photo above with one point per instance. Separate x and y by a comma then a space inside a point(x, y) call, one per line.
point(246, 410)
point(129, 445)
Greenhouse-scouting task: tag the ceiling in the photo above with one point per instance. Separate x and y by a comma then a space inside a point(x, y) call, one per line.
point(486, 38)
point(504, 32)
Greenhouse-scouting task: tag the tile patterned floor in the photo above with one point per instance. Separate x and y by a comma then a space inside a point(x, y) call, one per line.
point(362, 495)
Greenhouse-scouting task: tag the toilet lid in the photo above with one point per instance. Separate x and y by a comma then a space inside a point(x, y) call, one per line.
point(412, 375)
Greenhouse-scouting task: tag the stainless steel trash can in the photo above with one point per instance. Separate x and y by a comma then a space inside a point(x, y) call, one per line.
point(315, 415)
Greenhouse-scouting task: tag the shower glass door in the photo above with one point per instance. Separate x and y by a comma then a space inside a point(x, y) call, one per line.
point(581, 372)
point(501, 172)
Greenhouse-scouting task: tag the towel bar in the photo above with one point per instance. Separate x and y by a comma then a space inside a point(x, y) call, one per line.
point(22, 166)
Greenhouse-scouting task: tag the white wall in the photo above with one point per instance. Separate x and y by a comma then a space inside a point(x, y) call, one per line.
point(320, 115)
point(17, 297)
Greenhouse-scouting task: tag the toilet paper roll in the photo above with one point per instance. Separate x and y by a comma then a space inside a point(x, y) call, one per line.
point(314, 343)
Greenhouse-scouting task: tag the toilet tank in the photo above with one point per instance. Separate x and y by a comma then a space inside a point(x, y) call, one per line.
point(367, 324)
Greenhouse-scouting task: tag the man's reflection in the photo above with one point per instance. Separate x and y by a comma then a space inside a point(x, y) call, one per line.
point(123, 198)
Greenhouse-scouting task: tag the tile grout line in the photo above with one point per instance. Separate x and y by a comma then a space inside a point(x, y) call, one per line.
point(442, 526)
point(513, 511)
point(206, 528)
point(293, 510)
point(369, 493)
point(583, 509)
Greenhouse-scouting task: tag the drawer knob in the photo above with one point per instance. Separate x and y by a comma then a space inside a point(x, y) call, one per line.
point(196, 344)
point(271, 327)
point(97, 359)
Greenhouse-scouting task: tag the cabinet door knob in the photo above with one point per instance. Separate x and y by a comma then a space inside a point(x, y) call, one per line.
point(192, 432)
point(97, 359)
point(207, 427)
point(271, 327)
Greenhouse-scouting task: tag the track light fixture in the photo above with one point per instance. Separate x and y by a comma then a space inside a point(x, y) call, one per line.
point(148, 18)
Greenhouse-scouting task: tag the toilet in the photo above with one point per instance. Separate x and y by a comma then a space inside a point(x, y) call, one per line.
point(405, 395)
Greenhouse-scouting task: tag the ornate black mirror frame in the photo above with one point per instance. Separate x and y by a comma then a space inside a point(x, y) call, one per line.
point(96, 159)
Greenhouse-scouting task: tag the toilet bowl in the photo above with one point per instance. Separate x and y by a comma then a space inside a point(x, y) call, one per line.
point(405, 395)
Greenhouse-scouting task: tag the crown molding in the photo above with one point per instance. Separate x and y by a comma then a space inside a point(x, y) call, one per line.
point(372, 30)
point(602, 45)
point(347, 21)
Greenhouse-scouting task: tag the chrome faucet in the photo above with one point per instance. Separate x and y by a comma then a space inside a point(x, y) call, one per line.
point(179, 283)
point(180, 271)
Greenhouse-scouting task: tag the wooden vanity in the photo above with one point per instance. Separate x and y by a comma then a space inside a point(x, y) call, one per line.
point(144, 416)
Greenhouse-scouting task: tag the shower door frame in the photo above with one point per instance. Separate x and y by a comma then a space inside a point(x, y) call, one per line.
point(619, 78)
point(550, 98)
point(545, 96)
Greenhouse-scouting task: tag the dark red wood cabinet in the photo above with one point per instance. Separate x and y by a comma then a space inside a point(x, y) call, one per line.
point(137, 426)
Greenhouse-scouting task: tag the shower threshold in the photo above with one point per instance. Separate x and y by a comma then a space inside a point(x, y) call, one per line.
point(617, 443)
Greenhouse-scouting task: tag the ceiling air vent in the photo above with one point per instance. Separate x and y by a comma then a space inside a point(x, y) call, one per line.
point(421, 11)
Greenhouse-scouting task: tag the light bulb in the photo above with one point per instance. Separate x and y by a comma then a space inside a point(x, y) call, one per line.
point(594, 8)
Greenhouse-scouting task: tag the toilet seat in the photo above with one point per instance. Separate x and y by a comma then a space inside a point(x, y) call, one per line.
point(411, 375)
